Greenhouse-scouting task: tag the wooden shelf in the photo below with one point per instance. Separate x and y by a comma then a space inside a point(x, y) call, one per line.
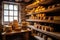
point(37, 4)
point(48, 21)
point(52, 34)
point(38, 38)
point(47, 10)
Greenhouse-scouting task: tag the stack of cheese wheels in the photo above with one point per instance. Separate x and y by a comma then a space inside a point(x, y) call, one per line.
point(24, 25)
point(8, 28)
point(15, 24)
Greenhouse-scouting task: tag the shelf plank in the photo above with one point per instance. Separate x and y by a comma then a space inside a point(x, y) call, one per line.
point(38, 38)
point(47, 10)
point(52, 34)
point(48, 21)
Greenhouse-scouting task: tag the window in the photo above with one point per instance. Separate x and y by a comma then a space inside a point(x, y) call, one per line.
point(10, 12)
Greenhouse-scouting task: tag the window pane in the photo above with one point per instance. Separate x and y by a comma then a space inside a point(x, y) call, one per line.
point(10, 7)
point(5, 12)
point(5, 6)
point(5, 18)
point(11, 13)
point(15, 7)
point(16, 18)
point(15, 13)
point(10, 18)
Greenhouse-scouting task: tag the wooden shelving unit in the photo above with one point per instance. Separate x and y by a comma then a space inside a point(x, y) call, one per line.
point(48, 10)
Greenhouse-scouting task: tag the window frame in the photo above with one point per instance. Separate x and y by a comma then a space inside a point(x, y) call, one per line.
point(13, 3)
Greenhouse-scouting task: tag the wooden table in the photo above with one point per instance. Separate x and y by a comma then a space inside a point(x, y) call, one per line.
point(16, 35)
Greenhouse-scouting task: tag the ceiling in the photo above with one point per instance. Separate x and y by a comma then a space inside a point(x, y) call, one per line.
point(31, 1)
